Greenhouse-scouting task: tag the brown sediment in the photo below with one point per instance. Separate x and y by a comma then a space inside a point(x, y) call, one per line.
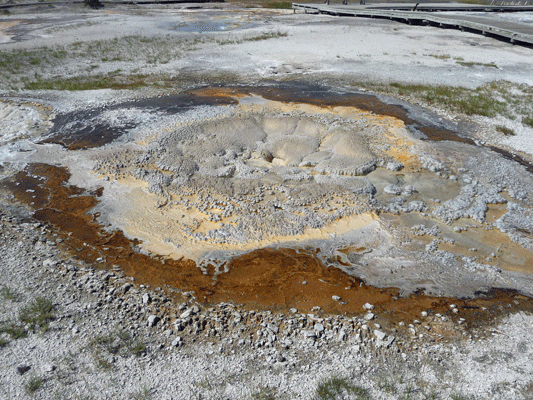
point(437, 134)
point(514, 157)
point(323, 98)
point(274, 279)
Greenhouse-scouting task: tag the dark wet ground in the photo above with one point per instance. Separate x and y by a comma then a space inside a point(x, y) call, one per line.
point(85, 129)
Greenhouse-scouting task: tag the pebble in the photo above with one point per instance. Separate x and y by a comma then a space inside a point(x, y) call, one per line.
point(369, 316)
point(379, 334)
point(153, 320)
point(22, 369)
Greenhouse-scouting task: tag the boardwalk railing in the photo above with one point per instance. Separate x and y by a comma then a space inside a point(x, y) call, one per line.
point(423, 16)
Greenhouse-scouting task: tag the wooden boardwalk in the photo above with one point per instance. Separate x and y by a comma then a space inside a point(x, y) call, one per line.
point(428, 14)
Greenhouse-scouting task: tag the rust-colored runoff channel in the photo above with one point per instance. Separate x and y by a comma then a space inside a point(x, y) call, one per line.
point(275, 279)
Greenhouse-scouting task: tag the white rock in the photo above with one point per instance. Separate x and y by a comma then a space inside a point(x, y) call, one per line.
point(152, 320)
point(146, 298)
point(368, 306)
point(48, 367)
point(379, 334)
point(309, 334)
point(369, 316)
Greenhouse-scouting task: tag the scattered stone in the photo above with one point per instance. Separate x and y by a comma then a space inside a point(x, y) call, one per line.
point(22, 369)
point(379, 334)
point(369, 316)
point(48, 368)
point(309, 334)
point(153, 320)
point(368, 306)
point(146, 299)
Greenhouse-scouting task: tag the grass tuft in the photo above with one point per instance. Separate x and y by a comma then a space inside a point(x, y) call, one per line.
point(119, 343)
point(281, 5)
point(506, 131)
point(335, 387)
point(142, 394)
point(528, 121)
point(32, 384)
point(14, 330)
point(9, 294)
point(38, 313)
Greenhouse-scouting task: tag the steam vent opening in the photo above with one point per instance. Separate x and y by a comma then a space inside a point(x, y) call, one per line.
point(284, 197)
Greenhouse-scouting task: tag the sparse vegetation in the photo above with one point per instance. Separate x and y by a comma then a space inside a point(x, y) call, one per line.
point(473, 64)
point(264, 393)
point(142, 394)
point(13, 329)
point(506, 131)
point(287, 5)
point(32, 384)
point(334, 388)
point(495, 98)
point(528, 121)
point(264, 36)
point(440, 56)
point(458, 396)
point(118, 343)
point(387, 385)
point(109, 81)
point(38, 313)
point(10, 294)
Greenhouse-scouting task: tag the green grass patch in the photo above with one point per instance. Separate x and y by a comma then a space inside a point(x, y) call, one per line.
point(14, 330)
point(473, 64)
point(266, 36)
point(440, 56)
point(528, 121)
point(387, 386)
point(335, 388)
point(282, 5)
point(264, 393)
point(459, 396)
point(118, 343)
point(506, 131)
point(258, 38)
point(38, 313)
point(10, 294)
point(32, 384)
point(89, 83)
point(142, 394)
point(489, 100)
